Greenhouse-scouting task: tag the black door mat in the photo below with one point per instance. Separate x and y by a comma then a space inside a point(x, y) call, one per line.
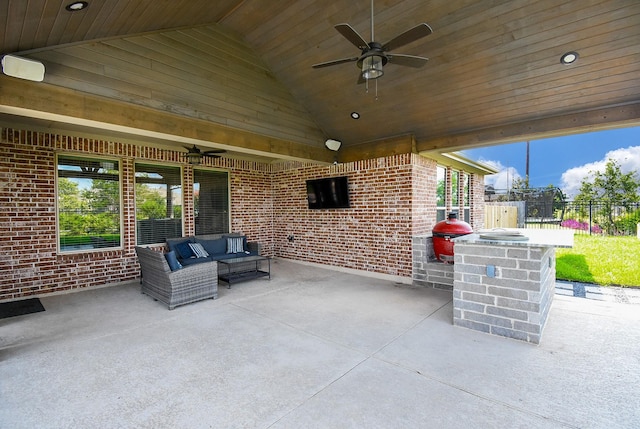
point(20, 308)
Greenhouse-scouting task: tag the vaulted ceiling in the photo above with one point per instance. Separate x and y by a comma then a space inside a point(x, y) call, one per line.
point(237, 74)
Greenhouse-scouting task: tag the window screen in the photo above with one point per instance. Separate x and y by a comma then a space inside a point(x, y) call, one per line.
point(211, 201)
point(88, 203)
point(158, 203)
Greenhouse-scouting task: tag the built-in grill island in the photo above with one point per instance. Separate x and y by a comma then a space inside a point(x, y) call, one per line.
point(504, 281)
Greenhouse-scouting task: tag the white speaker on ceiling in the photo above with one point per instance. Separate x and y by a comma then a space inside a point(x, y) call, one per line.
point(23, 68)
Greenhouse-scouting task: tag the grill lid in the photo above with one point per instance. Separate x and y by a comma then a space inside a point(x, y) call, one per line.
point(451, 227)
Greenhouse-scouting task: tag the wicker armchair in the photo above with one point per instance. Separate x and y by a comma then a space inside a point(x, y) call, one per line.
point(174, 288)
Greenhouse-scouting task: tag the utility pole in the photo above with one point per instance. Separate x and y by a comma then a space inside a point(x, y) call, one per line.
point(527, 167)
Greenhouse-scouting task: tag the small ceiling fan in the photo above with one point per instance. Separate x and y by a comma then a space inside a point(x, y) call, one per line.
point(374, 55)
point(194, 155)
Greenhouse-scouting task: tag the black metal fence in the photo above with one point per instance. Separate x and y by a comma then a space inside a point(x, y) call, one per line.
point(593, 217)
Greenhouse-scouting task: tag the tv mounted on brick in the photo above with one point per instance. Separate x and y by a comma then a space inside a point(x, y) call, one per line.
point(328, 193)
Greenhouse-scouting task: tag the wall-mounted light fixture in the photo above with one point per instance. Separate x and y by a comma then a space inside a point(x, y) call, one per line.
point(333, 145)
point(23, 68)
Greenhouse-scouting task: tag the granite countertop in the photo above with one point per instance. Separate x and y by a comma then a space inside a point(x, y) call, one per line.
point(530, 238)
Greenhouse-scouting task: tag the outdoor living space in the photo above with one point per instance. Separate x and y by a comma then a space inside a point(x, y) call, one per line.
point(312, 347)
point(125, 126)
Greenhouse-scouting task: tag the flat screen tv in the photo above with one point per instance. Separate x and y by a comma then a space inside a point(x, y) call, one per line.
point(328, 193)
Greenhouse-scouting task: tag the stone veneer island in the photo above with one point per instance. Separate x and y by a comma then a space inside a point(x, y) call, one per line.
point(504, 286)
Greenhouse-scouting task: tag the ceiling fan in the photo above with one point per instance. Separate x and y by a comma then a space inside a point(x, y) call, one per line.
point(195, 155)
point(374, 55)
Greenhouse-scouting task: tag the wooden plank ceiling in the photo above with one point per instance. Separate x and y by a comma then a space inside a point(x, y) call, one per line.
point(494, 73)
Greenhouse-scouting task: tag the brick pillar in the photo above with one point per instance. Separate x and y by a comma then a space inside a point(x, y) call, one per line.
point(503, 290)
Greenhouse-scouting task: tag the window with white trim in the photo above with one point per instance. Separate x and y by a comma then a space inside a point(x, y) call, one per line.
point(466, 195)
point(89, 211)
point(211, 201)
point(455, 192)
point(159, 199)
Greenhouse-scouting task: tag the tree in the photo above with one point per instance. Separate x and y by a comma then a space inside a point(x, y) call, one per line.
point(149, 203)
point(520, 184)
point(70, 207)
point(610, 188)
point(103, 196)
point(610, 185)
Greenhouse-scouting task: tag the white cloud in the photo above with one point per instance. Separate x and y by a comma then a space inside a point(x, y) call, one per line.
point(504, 178)
point(627, 158)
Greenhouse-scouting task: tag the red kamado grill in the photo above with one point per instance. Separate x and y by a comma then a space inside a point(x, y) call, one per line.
point(442, 234)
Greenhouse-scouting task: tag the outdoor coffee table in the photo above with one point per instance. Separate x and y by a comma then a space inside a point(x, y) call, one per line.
point(233, 277)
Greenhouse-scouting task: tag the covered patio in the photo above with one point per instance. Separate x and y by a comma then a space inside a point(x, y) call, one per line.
point(312, 348)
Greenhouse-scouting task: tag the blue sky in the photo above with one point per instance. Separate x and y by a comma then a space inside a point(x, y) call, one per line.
point(562, 161)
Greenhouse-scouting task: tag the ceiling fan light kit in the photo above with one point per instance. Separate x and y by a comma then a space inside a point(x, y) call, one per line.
point(193, 160)
point(194, 155)
point(372, 67)
point(374, 56)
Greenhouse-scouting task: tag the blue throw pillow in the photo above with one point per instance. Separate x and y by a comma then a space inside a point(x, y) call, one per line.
point(214, 247)
point(172, 260)
point(184, 250)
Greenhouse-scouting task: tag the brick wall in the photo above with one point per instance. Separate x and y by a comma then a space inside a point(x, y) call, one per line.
point(373, 235)
point(477, 202)
point(392, 201)
point(29, 261)
point(252, 202)
point(427, 271)
point(423, 214)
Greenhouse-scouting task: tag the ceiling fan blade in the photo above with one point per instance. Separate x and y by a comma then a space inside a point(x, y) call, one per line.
point(334, 62)
point(352, 35)
point(213, 152)
point(407, 60)
point(411, 35)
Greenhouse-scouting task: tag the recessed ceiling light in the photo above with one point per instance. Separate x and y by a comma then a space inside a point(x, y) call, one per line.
point(569, 58)
point(76, 5)
point(355, 115)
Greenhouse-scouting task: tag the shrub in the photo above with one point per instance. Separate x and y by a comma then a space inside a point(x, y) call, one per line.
point(583, 226)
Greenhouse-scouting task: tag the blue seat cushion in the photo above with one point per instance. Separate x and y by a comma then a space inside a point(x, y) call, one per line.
point(231, 255)
point(191, 261)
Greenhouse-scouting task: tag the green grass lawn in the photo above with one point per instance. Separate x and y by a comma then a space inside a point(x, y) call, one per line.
point(608, 261)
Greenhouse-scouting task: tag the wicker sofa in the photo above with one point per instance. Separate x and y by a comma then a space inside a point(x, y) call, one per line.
point(189, 284)
point(217, 249)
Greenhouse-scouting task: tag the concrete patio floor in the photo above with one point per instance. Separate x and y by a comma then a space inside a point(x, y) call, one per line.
point(312, 348)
